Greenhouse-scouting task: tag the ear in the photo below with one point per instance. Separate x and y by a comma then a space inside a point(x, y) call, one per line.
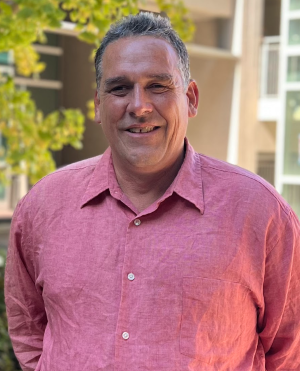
point(193, 98)
point(97, 108)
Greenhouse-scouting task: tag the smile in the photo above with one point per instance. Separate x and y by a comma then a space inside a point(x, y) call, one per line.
point(146, 129)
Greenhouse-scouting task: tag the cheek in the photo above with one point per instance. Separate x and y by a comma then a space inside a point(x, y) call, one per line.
point(112, 107)
point(109, 118)
point(179, 124)
point(166, 108)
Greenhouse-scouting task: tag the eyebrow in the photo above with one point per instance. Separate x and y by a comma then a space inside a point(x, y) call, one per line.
point(162, 76)
point(121, 79)
point(114, 80)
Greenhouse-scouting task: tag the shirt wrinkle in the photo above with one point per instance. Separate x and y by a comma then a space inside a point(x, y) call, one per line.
point(269, 251)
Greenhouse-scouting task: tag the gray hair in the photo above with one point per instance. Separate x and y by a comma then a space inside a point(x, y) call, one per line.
point(145, 24)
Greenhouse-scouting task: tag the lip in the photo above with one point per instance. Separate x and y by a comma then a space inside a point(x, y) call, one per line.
point(142, 126)
point(143, 136)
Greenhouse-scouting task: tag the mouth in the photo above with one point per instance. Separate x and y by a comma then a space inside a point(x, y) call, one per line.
point(146, 129)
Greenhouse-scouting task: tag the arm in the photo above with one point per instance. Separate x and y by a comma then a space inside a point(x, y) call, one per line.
point(280, 330)
point(24, 303)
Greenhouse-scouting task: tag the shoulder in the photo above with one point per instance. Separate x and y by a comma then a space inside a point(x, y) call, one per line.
point(238, 183)
point(65, 184)
point(73, 175)
point(79, 167)
point(246, 201)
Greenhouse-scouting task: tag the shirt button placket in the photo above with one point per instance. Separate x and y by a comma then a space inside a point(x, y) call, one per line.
point(129, 293)
point(125, 335)
point(137, 222)
point(130, 276)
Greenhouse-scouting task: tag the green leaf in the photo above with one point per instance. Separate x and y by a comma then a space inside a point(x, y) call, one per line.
point(88, 37)
point(5, 9)
point(25, 13)
point(47, 8)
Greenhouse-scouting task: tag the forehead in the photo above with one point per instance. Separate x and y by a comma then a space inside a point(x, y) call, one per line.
point(136, 56)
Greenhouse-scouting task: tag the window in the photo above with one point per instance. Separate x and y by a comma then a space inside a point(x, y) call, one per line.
point(292, 134)
point(4, 58)
point(293, 73)
point(294, 4)
point(266, 166)
point(294, 32)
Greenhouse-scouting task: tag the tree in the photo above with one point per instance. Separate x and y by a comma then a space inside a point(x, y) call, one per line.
point(31, 137)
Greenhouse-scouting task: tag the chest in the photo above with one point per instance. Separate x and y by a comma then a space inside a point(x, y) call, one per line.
point(101, 243)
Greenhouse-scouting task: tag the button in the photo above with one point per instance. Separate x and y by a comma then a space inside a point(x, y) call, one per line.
point(130, 276)
point(125, 335)
point(137, 222)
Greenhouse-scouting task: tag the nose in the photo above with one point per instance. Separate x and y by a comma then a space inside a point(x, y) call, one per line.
point(139, 104)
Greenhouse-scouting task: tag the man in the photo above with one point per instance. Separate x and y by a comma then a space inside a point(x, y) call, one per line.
point(152, 257)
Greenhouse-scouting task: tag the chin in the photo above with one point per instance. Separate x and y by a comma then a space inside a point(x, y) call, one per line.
point(143, 161)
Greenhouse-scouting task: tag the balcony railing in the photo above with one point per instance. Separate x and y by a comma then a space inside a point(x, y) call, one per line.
point(270, 67)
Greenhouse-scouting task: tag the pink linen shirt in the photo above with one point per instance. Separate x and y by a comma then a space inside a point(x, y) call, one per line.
point(206, 278)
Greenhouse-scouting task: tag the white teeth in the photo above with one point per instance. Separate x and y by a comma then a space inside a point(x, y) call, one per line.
point(141, 130)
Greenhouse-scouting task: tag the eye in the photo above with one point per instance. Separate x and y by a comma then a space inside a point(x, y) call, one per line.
point(158, 88)
point(119, 90)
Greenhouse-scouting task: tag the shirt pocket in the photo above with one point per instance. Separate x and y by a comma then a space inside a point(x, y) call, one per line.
point(218, 320)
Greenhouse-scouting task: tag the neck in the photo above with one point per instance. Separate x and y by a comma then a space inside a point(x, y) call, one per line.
point(145, 187)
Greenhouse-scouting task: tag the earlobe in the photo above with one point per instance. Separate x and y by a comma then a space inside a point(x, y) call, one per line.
point(192, 110)
point(97, 108)
point(193, 98)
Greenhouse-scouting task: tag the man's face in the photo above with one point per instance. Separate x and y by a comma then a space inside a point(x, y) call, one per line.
point(143, 105)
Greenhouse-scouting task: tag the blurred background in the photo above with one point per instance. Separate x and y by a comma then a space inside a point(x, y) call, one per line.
point(245, 57)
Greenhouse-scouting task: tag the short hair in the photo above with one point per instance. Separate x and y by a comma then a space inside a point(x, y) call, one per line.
point(145, 24)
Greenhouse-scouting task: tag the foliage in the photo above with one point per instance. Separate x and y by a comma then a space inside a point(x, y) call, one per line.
point(31, 137)
point(8, 361)
point(179, 17)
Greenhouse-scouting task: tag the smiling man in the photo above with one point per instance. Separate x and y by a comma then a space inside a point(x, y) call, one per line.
point(143, 103)
point(151, 256)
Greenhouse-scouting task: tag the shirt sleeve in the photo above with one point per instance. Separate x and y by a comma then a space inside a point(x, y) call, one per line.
point(280, 330)
point(24, 303)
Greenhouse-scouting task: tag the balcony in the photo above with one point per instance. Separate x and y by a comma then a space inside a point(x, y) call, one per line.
point(268, 107)
point(199, 9)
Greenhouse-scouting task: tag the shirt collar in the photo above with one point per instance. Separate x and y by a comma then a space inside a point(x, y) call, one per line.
point(99, 181)
point(187, 184)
